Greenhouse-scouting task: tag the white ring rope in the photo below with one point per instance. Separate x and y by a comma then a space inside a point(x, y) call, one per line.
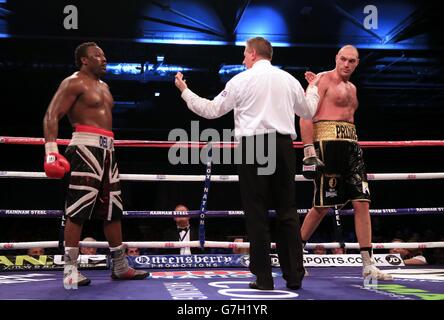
point(227, 178)
point(218, 244)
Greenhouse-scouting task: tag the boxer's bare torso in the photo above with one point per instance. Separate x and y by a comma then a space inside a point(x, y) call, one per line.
point(338, 99)
point(94, 102)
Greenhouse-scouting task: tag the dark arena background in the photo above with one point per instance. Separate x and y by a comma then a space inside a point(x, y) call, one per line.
point(400, 85)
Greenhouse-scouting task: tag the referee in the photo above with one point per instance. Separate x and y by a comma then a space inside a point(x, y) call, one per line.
point(265, 100)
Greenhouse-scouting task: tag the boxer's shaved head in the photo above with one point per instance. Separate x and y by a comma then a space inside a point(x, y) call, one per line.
point(349, 49)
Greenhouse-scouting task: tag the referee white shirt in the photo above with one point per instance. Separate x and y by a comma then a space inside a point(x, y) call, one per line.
point(264, 98)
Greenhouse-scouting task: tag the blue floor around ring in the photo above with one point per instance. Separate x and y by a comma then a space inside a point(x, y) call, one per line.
point(333, 283)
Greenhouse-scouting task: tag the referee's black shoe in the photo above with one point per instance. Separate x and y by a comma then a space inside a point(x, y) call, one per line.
point(255, 285)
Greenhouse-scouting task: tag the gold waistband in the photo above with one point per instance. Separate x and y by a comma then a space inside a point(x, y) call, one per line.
point(334, 130)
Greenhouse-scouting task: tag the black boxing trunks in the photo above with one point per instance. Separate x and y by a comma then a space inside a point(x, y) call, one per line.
point(345, 177)
point(93, 185)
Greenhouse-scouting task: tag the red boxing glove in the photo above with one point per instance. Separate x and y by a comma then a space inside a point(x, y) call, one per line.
point(55, 164)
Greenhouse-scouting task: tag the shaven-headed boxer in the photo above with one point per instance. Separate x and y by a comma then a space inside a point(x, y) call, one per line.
point(331, 136)
point(90, 167)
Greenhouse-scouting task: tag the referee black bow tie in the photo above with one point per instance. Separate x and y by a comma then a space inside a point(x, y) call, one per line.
point(182, 229)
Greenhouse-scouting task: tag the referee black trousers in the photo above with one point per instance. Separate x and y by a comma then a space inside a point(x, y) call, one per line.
point(276, 191)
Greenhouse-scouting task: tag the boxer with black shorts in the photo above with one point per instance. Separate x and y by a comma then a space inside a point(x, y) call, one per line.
point(90, 169)
point(334, 159)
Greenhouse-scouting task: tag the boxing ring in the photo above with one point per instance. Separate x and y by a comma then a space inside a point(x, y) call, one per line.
point(218, 276)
